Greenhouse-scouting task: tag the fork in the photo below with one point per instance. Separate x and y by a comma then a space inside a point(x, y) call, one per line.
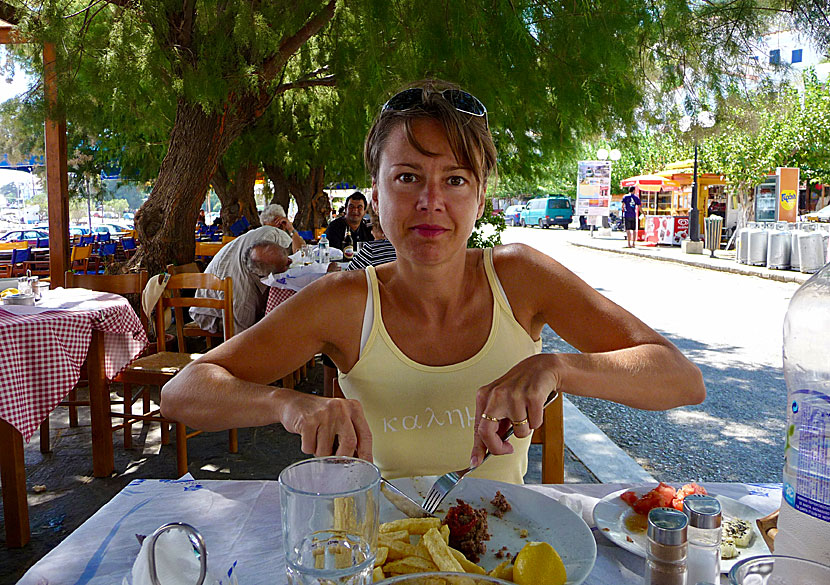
point(447, 482)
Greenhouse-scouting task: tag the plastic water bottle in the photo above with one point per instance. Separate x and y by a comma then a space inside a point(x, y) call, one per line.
point(323, 250)
point(804, 520)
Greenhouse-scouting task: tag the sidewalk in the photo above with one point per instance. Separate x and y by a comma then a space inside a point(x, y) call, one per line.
point(724, 260)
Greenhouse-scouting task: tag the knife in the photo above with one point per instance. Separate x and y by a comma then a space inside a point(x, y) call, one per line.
point(403, 502)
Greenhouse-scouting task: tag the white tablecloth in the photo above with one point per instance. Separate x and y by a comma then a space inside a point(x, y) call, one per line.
point(240, 521)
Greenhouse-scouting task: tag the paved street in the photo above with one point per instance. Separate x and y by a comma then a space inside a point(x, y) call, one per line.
point(730, 325)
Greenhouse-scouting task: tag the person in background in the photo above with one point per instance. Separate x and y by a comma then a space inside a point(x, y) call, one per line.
point(249, 294)
point(374, 253)
point(353, 221)
point(258, 259)
point(631, 215)
point(274, 216)
point(200, 221)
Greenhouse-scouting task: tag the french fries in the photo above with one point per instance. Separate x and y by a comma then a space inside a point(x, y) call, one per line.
point(420, 545)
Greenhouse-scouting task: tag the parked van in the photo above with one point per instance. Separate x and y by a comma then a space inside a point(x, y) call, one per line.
point(547, 211)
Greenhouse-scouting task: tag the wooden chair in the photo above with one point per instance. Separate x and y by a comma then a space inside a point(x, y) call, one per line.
point(207, 250)
point(192, 329)
point(80, 258)
point(13, 245)
point(228, 239)
point(159, 368)
point(120, 284)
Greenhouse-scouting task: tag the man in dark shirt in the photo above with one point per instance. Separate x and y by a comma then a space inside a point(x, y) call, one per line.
point(353, 221)
point(631, 213)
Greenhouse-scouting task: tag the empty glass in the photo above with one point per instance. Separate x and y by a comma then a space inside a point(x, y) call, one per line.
point(306, 255)
point(330, 520)
point(778, 570)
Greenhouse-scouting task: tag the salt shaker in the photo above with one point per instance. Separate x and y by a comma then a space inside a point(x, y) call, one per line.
point(666, 548)
point(704, 514)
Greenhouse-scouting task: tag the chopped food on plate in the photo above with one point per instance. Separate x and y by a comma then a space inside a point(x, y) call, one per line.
point(663, 496)
point(501, 505)
point(739, 531)
point(728, 550)
point(468, 530)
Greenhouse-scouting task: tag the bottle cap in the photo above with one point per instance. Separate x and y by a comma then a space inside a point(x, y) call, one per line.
point(667, 526)
point(702, 511)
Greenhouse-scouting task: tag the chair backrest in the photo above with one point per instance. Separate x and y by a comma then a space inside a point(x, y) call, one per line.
point(80, 252)
point(190, 267)
point(173, 298)
point(13, 245)
point(128, 243)
point(102, 237)
point(87, 240)
point(227, 239)
point(306, 235)
point(240, 226)
point(107, 249)
point(551, 436)
point(120, 284)
point(43, 242)
point(21, 255)
point(207, 248)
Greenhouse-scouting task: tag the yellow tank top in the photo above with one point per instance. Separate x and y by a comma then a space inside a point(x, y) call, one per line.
point(422, 417)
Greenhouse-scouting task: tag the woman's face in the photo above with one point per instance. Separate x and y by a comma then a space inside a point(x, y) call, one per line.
point(429, 204)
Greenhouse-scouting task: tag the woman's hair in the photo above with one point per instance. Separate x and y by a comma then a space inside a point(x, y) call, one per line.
point(270, 213)
point(469, 136)
point(373, 215)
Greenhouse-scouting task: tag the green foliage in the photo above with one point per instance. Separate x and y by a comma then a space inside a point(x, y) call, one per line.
point(488, 228)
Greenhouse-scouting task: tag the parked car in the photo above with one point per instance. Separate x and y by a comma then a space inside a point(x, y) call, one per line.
point(547, 211)
point(23, 235)
point(512, 214)
point(77, 230)
point(822, 215)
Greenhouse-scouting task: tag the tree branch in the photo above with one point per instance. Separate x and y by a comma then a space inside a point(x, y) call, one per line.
point(293, 43)
point(328, 81)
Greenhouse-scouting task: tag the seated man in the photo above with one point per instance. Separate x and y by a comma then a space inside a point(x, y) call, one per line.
point(246, 260)
point(352, 221)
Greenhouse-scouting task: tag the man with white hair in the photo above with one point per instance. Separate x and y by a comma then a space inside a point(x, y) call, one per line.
point(246, 259)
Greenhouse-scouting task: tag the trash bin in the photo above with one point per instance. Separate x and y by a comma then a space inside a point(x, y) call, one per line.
point(810, 251)
point(714, 229)
point(778, 250)
point(757, 250)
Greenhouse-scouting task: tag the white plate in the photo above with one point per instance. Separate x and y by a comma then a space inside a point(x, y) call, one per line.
point(610, 514)
point(544, 518)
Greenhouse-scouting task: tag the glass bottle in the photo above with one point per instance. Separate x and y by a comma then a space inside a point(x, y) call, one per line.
point(348, 246)
point(666, 547)
point(703, 562)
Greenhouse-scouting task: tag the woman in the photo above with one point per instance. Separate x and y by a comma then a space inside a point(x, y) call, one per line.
point(439, 348)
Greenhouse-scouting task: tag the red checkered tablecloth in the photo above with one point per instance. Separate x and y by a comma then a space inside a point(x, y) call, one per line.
point(41, 353)
point(276, 296)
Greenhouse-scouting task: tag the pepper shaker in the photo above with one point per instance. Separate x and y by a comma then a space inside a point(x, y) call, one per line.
point(667, 547)
point(704, 514)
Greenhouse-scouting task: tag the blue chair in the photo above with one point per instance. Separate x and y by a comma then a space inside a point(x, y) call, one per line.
point(87, 240)
point(43, 242)
point(20, 256)
point(102, 237)
point(107, 249)
point(128, 243)
point(306, 235)
point(239, 227)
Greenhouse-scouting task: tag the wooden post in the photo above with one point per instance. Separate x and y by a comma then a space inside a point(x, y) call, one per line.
point(100, 408)
point(57, 184)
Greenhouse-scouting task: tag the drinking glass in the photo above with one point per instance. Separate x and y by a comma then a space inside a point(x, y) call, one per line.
point(24, 286)
point(330, 520)
point(306, 255)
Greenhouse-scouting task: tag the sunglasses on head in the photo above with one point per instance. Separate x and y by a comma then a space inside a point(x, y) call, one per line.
point(462, 101)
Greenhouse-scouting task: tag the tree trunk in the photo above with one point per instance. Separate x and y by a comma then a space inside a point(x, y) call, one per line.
point(166, 222)
point(313, 206)
point(236, 194)
point(282, 193)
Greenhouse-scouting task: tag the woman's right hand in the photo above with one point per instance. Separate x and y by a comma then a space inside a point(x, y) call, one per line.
point(325, 422)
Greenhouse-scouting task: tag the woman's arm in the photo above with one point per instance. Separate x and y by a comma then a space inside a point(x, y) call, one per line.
point(228, 386)
point(622, 359)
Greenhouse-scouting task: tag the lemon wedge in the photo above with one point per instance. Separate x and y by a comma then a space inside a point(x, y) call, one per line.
point(538, 563)
point(9, 291)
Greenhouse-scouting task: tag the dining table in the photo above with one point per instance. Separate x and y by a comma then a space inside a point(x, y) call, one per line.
point(241, 525)
point(43, 348)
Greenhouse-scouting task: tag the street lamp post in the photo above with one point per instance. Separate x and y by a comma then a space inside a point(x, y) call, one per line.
point(702, 120)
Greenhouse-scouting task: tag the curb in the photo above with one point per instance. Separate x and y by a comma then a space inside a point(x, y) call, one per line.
point(794, 277)
point(599, 454)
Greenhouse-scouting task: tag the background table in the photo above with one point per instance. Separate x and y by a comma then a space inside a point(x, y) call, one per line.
point(241, 523)
point(43, 350)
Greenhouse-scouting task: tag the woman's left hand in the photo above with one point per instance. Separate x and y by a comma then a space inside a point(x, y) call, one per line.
point(517, 398)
